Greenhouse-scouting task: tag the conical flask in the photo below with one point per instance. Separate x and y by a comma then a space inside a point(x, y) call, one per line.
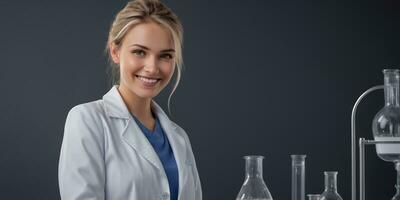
point(330, 192)
point(254, 187)
point(314, 196)
point(386, 123)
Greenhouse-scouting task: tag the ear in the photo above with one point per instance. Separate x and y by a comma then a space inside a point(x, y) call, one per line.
point(114, 52)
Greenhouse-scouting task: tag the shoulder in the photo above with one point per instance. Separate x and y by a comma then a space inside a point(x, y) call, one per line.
point(84, 129)
point(88, 114)
point(84, 125)
point(93, 109)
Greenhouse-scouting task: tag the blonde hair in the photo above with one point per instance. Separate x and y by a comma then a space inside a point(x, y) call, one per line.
point(141, 11)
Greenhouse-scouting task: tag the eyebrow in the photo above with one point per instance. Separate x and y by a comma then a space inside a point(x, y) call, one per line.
point(144, 47)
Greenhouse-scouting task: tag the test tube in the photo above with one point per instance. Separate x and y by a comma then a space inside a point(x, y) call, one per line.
point(298, 177)
point(314, 196)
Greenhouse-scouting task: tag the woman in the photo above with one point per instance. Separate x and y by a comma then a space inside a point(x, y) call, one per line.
point(123, 146)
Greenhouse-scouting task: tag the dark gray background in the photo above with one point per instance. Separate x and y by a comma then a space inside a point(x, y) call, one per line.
point(266, 77)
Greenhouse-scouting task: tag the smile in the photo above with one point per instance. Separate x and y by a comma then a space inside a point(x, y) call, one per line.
point(147, 80)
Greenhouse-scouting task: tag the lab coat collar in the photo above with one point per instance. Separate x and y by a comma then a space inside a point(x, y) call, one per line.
point(115, 107)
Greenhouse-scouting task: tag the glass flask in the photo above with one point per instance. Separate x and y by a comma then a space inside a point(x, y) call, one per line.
point(330, 192)
point(254, 187)
point(298, 177)
point(386, 123)
point(314, 196)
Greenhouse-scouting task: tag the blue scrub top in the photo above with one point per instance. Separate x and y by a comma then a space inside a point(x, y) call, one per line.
point(160, 143)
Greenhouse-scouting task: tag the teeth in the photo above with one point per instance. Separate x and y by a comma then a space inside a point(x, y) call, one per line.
point(147, 80)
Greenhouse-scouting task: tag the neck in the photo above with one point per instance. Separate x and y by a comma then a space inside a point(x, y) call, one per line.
point(392, 87)
point(330, 181)
point(254, 167)
point(140, 107)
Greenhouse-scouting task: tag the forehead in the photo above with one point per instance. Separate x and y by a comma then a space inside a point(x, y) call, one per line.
point(151, 35)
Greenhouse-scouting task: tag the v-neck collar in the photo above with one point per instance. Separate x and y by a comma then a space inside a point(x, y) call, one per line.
point(157, 126)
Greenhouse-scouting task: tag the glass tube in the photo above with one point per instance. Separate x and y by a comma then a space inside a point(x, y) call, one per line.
point(298, 177)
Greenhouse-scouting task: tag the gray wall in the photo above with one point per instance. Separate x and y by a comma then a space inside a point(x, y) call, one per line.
point(265, 77)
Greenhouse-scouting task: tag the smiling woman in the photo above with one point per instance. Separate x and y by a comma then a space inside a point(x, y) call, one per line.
point(124, 146)
point(145, 59)
point(131, 16)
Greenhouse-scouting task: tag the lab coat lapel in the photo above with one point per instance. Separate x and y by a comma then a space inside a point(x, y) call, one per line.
point(176, 140)
point(115, 107)
point(133, 135)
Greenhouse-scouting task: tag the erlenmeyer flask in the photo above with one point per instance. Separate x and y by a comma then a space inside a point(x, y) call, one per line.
point(314, 196)
point(386, 123)
point(254, 187)
point(330, 192)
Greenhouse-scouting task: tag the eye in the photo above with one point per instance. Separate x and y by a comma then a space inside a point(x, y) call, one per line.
point(167, 56)
point(139, 52)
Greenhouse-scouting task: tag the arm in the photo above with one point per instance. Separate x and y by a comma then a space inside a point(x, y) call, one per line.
point(81, 169)
point(198, 190)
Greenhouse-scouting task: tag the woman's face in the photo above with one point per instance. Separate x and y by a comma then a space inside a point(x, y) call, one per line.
point(146, 59)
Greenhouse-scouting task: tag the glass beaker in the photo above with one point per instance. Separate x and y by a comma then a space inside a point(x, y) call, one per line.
point(386, 123)
point(254, 187)
point(330, 192)
point(298, 177)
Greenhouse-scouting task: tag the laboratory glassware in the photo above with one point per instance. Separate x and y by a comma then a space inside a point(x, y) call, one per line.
point(314, 196)
point(397, 186)
point(386, 123)
point(254, 187)
point(385, 130)
point(330, 192)
point(298, 177)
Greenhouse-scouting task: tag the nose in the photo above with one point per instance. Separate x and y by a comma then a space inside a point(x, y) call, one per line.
point(151, 65)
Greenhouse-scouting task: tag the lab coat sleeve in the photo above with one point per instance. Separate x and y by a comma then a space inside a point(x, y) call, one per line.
point(198, 190)
point(81, 169)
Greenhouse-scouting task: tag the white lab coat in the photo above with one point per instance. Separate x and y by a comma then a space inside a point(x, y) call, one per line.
point(105, 156)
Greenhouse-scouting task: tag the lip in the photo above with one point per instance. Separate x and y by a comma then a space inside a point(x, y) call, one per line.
point(149, 77)
point(147, 84)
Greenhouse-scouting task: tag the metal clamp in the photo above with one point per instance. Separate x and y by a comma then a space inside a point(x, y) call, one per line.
point(362, 144)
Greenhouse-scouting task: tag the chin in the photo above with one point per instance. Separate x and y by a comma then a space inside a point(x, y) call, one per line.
point(143, 92)
point(146, 94)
